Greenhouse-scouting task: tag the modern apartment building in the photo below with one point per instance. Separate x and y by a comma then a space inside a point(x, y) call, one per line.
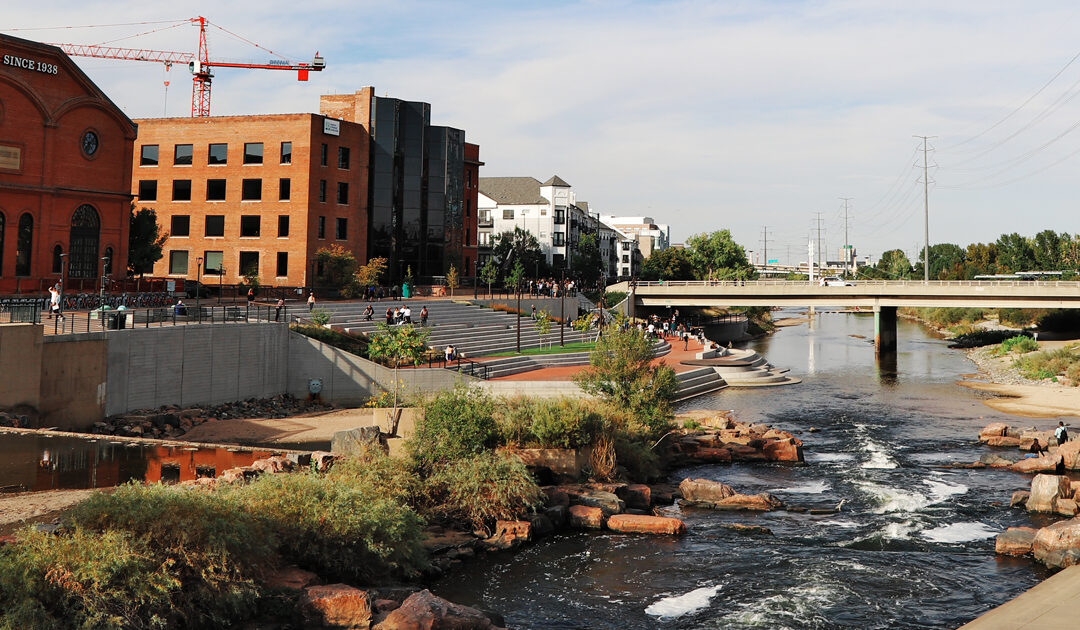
point(649, 235)
point(548, 210)
point(252, 194)
point(65, 176)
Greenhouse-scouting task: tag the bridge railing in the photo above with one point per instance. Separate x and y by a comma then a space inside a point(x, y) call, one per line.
point(890, 283)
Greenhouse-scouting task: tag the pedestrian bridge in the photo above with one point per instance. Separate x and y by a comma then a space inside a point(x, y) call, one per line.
point(883, 296)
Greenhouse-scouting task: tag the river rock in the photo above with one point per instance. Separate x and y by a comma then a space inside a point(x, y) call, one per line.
point(558, 514)
point(585, 517)
point(1058, 545)
point(337, 606)
point(1041, 464)
point(663, 493)
point(555, 496)
point(291, 577)
point(1033, 441)
point(1002, 440)
point(783, 451)
point(746, 453)
point(763, 502)
point(1015, 541)
point(709, 455)
point(322, 461)
point(637, 496)
point(1065, 507)
point(273, 465)
point(704, 490)
point(1070, 454)
point(355, 441)
point(994, 460)
point(747, 529)
point(542, 525)
point(633, 524)
point(1046, 490)
point(606, 501)
point(994, 429)
point(510, 534)
point(424, 611)
point(1019, 499)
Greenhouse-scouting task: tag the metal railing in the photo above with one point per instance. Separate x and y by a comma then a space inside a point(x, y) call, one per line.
point(458, 364)
point(156, 317)
point(859, 282)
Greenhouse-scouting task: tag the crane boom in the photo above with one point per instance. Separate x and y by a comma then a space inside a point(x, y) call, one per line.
point(198, 64)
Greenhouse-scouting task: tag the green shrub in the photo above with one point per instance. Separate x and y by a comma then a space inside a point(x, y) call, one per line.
point(320, 317)
point(340, 340)
point(612, 298)
point(548, 423)
point(481, 489)
point(390, 477)
point(691, 424)
point(640, 462)
point(83, 579)
point(979, 338)
point(1049, 364)
point(1021, 317)
point(335, 527)
point(1017, 344)
point(211, 545)
point(457, 423)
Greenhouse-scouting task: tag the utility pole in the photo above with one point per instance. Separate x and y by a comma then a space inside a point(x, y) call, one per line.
point(765, 244)
point(819, 248)
point(847, 246)
point(926, 211)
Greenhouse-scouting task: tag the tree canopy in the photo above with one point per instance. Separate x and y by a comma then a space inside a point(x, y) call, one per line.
point(673, 263)
point(145, 240)
point(518, 246)
point(716, 256)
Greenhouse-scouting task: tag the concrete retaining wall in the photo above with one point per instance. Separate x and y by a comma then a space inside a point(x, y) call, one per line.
point(193, 365)
point(73, 377)
point(539, 389)
point(21, 347)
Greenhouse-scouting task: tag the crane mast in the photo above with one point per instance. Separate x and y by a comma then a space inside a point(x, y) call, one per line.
point(199, 64)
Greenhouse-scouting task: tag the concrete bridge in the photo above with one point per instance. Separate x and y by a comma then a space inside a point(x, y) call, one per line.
point(883, 296)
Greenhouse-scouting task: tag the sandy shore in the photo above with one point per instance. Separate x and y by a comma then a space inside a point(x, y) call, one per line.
point(17, 510)
point(286, 432)
point(1017, 395)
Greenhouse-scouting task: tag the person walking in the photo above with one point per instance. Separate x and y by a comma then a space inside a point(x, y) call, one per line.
point(423, 316)
point(311, 301)
point(251, 296)
point(54, 301)
point(1061, 433)
point(368, 313)
point(277, 309)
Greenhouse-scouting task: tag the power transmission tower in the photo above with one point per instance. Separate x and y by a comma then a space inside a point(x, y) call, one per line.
point(847, 246)
point(926, 211)
point(765, 244)
point(819, 248)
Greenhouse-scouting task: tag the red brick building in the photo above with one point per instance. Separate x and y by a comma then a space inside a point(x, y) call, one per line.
point(252, 193)
point(65, 177)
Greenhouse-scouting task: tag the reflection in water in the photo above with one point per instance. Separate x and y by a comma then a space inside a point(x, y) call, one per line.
point(42, 461)
point(886, 368)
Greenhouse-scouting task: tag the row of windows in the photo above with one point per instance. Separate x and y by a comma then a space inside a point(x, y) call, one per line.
point(250, 226)
point(508, 213)
point(250, 190)
point(213, 263)
point(217, 154)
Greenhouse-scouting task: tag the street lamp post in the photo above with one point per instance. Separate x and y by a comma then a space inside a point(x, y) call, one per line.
point(101, 299)
point(562, 310)
point(63, 281)
point(198, 287)
point(221, 274)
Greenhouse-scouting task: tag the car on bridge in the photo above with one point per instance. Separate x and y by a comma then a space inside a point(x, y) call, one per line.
point(836, 281)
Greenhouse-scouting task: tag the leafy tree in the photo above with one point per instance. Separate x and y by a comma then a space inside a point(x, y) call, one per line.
point(145, 240)
point(894, 265)
point(542, 323)
point(716, 256)
point(251, 279)
point(519, 246)
point(946, 260)
point(452, 279)
point(587, 262)
point(394, 346)
point(669, 264)
point(338, 265)
point(1049, 247)
point(1015, 253)
point(490, 273)
point(369, 275)
point(621, 372)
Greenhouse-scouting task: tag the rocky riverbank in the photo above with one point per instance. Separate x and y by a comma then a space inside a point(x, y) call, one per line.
point(1017, 395)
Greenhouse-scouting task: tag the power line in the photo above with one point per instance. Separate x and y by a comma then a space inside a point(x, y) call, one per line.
point(926, 210)
point(847, 245)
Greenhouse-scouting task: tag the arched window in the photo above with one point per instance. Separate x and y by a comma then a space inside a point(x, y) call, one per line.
point(24, 240)
point(108, 262)
point(1, 243)
point(85, 228)
point(57, 260)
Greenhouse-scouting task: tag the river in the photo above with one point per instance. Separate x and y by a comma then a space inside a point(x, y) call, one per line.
point(912, 548)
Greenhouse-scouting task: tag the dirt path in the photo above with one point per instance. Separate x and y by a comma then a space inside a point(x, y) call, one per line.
point(18, 510)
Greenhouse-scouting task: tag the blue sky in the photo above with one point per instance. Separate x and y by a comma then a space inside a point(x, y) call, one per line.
point(703, 115)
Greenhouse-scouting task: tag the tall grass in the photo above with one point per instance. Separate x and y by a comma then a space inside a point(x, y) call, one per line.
point(1051, 364)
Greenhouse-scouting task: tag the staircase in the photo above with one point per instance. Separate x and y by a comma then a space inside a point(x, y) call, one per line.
point(698, 383)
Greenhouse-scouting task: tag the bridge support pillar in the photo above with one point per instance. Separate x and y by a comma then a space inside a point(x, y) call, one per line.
point(884, 329)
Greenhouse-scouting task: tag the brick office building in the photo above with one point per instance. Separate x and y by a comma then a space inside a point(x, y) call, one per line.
point(243, 193)
point(65, 155)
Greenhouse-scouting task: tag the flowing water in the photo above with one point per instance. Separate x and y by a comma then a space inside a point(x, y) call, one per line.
point(913, 546)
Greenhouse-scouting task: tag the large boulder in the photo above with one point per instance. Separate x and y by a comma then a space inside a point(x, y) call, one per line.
point(1046, 490)
point(704, 490)
point(1015, 541)
point(1031, 440)
point(1002, 440)
point(710, 455)
point(637, 496)
point(786, 450)
point(1070, 454)
point(1065, 507)
point(585, 517)
point(994, 429)
point(424, 611)
point(1042, 464)
point(763, 502)
point(994, 460)
point(1058, 545)
point(337, 606)
point(355, 441)
point(291, 577)
point(636, 524)
point(606, 501)
point(510, 534)
point(1019, 499)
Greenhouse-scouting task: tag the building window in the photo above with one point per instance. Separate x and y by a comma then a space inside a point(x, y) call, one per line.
point(322, 191)
point(508, 214)
point(343, 158)
point(57, 260)
point(215, 190)
point(341, 231)
point(253, 152)
point(468, 207)
point(286, 153)
point(342, 193)
point(557, 239)
point(251, 190)
point(178, 262)
point(560, 215)
point(282, 264)
point(322, 227)
point(324, 154)
point(212, 263)
point(543, 212)
point(626, 246)
point(147, 190)
point(218, 154)
point(180, 225)
point(83, 243)
point(625, 258)
point(250, 225)
point(249, 263)
point(182, 155)
point(181, 190)
point(283, 226)
point(215, 225)
point(148, 155)
point(284, 189)
point(24, 239)
point(468, 178)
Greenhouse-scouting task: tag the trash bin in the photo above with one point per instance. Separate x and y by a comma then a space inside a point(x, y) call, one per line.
point(113, 320)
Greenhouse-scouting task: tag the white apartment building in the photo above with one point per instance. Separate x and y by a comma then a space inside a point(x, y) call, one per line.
point(548, 210)
point(650, 235)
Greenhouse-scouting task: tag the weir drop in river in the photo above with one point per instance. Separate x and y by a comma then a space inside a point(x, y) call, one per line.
point(912, 548)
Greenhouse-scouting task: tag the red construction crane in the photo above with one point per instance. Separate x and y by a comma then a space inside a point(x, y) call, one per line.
point(198, 64)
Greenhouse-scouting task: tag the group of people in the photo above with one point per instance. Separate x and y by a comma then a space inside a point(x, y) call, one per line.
point(398, 316)
point(551, 288)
